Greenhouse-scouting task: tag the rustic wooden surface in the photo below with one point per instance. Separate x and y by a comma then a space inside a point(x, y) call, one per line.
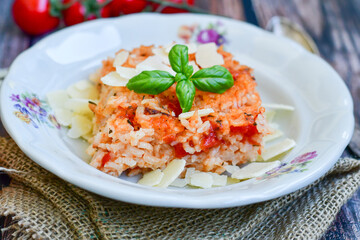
point(334, 25)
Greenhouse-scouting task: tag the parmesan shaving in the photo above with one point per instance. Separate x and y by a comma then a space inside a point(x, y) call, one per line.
point(114, 79)
point(179, 182)
point(57, 99)
point(121, 58)
point(126, 72)
point(201, 179)
point(207, 56)
point(171, 172)
point(151, 178)
point(277, 149)
point(278, 106)
point(201, 113)
point(255, 169)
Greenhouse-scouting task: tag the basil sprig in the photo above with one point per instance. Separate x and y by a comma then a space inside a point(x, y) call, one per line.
point(215, 79)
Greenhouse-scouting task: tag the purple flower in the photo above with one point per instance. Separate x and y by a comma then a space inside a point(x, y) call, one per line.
point(207, 36)
point(15, 97)
point(221, 40)
point(34, 106)
point(305, 157)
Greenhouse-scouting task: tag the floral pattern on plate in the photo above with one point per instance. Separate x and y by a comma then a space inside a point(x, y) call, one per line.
point(31, 110)
point(214, 32)
point(296, 165)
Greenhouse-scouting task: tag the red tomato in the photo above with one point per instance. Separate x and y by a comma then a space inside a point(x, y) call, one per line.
point(33, 16)
point(116, 7)
point(133, 6)
point(173, 9)
point(78, 12)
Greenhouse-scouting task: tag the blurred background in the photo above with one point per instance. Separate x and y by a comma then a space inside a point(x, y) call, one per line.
point(330, 28)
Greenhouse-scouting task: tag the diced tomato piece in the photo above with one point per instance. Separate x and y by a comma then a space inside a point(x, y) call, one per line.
point(246, 131)
point(169, 138)
point(175, 107)
point(209, 141)
point(105, 159)
point(179, 151)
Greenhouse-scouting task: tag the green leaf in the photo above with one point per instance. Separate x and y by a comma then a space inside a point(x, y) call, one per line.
point(151, 82)
point(216, 79)
point(185, 91)
point(179, 58)
point(188, 71)
point(180, 77)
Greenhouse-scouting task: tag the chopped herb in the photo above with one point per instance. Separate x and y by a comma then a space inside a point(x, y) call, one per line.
point(110, 131)
point(255, 124)
point(129, 122)
point(143, 97)
point(91, 102)
point(210, 116)
point(253, 78)
point(248, 114)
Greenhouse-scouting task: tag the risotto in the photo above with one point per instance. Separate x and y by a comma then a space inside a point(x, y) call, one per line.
point(138, 133)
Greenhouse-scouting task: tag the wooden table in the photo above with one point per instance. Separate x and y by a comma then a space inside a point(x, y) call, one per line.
point(334, 24)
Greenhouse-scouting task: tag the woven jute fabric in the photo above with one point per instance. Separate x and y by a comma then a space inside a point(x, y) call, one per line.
point(46, 207)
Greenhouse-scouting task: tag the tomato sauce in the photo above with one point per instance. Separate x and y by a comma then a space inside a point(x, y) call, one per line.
point(105, 159)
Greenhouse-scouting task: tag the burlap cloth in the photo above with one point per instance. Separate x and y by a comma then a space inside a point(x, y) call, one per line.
point(46, 207)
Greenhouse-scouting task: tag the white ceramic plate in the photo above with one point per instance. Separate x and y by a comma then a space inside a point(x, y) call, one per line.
point(322, 123)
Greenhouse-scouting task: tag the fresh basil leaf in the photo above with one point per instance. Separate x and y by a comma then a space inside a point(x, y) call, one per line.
point(185, 91)
point(179, 58)
point(180, 77)
point(151, 82)
point(188, 71)
point(216, 79)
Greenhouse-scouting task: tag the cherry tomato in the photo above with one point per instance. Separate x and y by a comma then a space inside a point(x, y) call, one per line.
point(116, 7)
point(174, 9)
point(33, 16)
point(79, 12)
point(133, 6)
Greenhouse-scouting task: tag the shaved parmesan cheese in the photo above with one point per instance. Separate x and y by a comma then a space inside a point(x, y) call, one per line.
point(207, 56)
point(274, 135)
point(80, 126)
point(218, 180)
point(278, 106)
point(231, 181)
point(188, 174)
point(192, 48)
point(179, 182)
point(83, 85)
point(255, 169)
point(154, 63)
point(196, 68)
point(160, 52)
point(278, 148)
point(231, 169)
point(201, 179)
point(115, 80)
point(151, 178)
point(171, 172)
point(76, 91)
point(57, 99)
point(126, 72)
point(121, 58)
point(63, 116)
point(202, 113)
point(79, 106)
point(269, 115)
